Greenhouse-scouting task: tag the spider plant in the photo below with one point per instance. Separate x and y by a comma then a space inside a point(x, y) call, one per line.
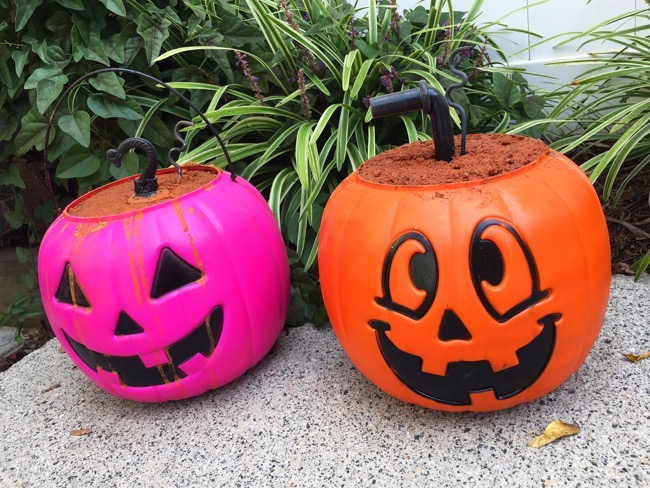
point(295, 115)
point(609, 108)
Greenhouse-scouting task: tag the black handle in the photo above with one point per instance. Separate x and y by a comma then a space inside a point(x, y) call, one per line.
point(431, 102)
point(63, 97)
point(453, 67)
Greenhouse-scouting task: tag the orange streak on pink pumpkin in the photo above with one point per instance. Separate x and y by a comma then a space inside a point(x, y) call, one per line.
point(129, 234)
point(139, 247)
point(195, 252)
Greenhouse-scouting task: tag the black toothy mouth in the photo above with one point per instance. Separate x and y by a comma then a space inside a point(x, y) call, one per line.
point(463, 378)
point(132, 371)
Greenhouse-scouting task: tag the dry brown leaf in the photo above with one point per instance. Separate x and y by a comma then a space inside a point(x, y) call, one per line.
point(50, 388)
point(79, 432)
point(633, 358)
point(60, 350)
point(554, 431)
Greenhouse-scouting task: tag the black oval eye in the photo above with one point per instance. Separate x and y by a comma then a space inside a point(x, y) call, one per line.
point(423, 273)
point(490, 262)
point(487, 262)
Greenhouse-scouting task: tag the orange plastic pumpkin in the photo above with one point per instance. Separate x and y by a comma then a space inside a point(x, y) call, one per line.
point(467, 296)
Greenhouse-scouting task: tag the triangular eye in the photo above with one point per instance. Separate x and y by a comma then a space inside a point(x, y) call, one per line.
point(127, 326)
point(172, 273)
point(69, 290)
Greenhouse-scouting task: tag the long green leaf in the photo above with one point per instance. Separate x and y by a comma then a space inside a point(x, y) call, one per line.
point(272, 35)
point(360, 78)
point(372, 22)
point(328, 56)
point(272, 150)
point(372, 145)
point(226, 112)
point(343, 134)
point(348, 63)
point(411, 131)
point(281, 186)
point(323, 121)
point(640, 266)
point(147, 117)
point(302, 153)
point(181, 50)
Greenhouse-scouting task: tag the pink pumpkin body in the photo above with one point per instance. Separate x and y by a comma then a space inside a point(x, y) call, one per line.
point(141, 332)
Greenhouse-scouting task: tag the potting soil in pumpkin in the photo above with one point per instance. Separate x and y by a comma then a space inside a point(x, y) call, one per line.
point(117, 198)
point(487, 155)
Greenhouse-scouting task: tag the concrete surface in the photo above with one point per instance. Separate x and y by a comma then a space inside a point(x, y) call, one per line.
point(306, 417)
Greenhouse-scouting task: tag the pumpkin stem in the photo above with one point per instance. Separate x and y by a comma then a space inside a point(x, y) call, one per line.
point(431, 102)
point(147, 184)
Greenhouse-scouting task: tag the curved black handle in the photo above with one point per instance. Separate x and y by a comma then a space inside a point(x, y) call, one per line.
point(65, 94)
point(431, 102)
point(174, 152)
point(147, 184)
point(453, 67)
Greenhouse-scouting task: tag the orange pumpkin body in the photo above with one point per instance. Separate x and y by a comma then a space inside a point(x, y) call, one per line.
point(467, 296)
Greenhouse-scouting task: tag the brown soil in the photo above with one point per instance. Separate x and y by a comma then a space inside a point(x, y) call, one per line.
point(629, 223)
point(118, 198)
point(487, 155)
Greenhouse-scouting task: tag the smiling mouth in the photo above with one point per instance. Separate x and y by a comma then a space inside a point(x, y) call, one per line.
point(132, 371)
point(463, 378)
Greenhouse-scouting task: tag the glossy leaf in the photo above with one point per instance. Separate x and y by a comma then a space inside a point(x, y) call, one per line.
point(153, 33)
point(78, 164)
point(47, 91)
point(505, 90)
point(32, 132)
point(108, 107)
point(77, 125)
point(109, 83)
point(24, 11)
point(115, 6)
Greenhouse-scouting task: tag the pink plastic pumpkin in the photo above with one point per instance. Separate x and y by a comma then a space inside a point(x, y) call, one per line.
point(170, 301)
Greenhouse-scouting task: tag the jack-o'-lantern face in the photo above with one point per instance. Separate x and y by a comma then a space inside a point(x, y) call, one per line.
point(504, 299)
point(172, 274)
point(476, 295)
point(170, 301)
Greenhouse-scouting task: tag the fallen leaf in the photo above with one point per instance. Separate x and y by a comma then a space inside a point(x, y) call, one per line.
point(53, 387)
point(633, 358)
point(554, 431)
point(79, 432)
point(60, 350)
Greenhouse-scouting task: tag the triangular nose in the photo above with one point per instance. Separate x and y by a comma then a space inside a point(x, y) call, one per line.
point(127, 326)
point(452, 328)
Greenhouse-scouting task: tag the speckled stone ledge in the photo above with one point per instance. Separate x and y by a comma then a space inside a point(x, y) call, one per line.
point(306, 417)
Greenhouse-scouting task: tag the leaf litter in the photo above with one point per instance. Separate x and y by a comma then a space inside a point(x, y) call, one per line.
point(554, 431)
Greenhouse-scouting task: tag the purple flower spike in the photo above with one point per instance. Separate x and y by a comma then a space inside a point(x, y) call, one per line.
point(243, 64)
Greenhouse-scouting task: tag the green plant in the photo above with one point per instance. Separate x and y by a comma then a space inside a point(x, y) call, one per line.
point(287, 83)
point(44, 44)
point(607, 108)
point(297, 110)
point(26, 304)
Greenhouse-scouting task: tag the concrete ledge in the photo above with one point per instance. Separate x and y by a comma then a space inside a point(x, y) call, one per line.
point(306, 417)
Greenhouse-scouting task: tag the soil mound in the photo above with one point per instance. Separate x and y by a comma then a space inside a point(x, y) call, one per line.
point(118, 198)
point(487, 155)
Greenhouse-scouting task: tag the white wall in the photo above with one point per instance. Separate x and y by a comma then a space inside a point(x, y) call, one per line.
point(548, 19)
